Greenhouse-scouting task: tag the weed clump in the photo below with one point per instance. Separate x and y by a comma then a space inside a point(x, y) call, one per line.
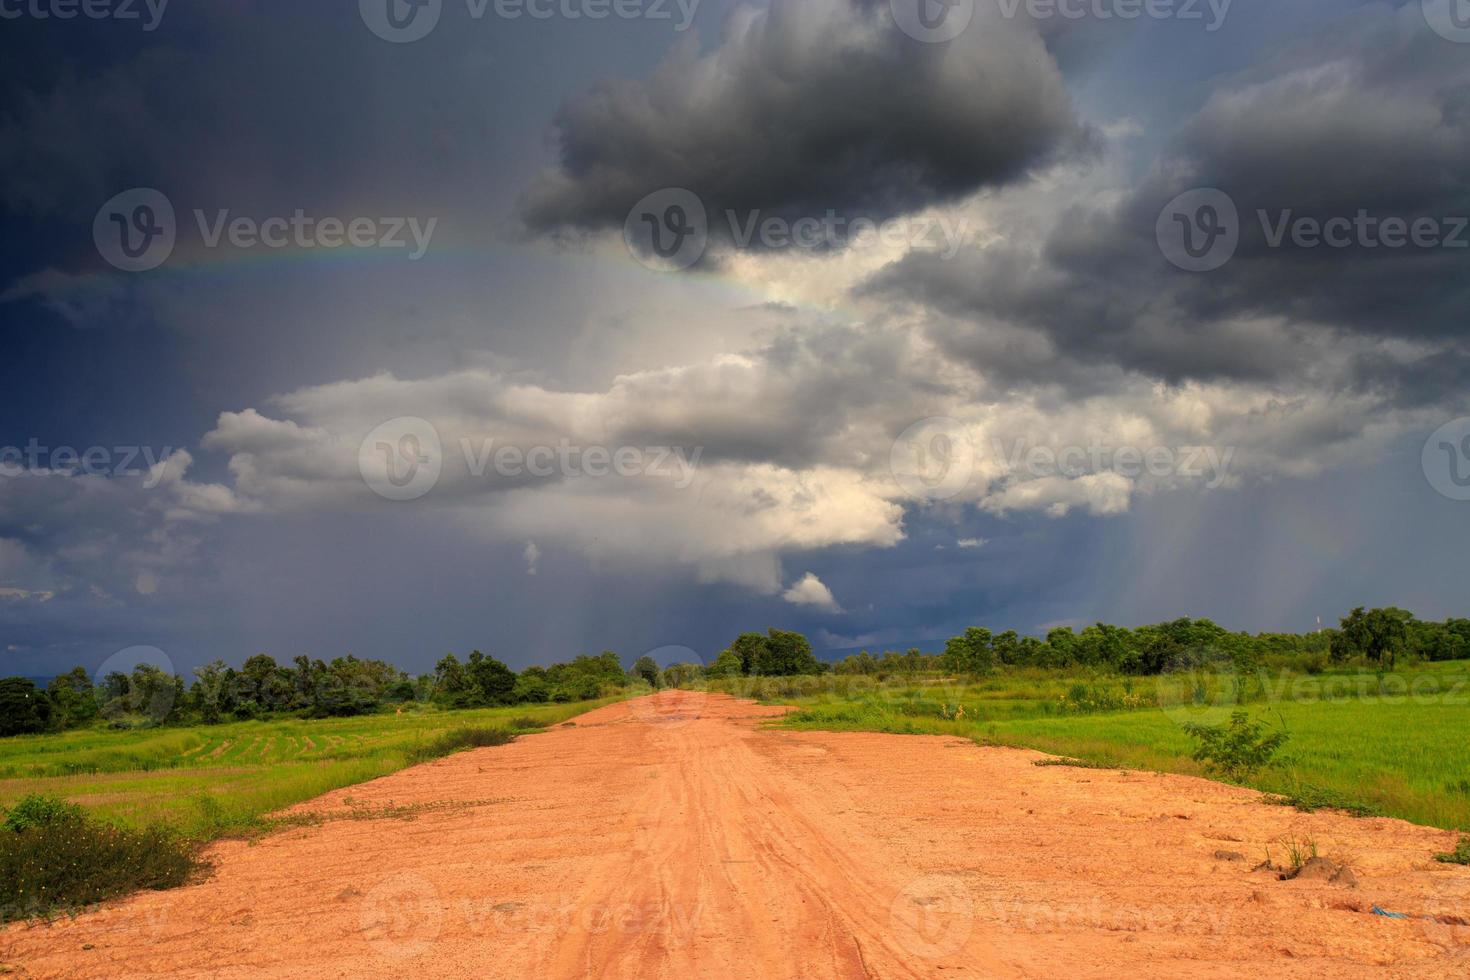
point(53, 857)
point(460, 739)
point(1460, 855)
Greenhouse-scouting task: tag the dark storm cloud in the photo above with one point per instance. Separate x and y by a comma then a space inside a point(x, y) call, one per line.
point(1368, 122)
point(806, 107)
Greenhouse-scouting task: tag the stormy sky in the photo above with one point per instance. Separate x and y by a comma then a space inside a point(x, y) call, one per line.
point(545, 328)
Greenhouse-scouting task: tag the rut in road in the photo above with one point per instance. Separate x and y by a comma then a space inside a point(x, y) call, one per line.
point(674, 836)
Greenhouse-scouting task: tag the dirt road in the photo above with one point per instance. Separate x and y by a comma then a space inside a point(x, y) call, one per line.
point(672, 837)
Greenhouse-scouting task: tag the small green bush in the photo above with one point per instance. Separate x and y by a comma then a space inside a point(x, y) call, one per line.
point(1236, 751)
point(1460, 855)
point(53, 857)
point(460, 739)
point(40, 811)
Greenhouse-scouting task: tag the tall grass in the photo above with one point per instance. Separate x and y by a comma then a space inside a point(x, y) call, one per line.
point(210, 780)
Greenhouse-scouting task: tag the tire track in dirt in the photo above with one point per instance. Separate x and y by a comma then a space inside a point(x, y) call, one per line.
point(673, 837)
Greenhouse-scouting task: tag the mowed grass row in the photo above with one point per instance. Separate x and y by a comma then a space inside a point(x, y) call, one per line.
point(205, 781)
point(1353, 738)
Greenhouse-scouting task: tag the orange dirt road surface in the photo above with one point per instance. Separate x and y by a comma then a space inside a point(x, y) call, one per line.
point(673, 837)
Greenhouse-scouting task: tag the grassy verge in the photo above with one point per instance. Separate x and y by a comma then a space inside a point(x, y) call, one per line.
point(208, 781)
point(94, 814)
point(1398, 746)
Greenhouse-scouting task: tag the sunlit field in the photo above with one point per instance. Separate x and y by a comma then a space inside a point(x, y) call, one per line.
point(209, 780)
point(1397, 744)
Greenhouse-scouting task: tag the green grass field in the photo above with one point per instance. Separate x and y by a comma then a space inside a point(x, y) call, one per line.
point(1399, 745)
point(206, 781)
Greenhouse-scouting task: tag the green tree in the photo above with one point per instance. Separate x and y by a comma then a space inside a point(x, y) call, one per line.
point(450, 680)
point(647, 669)
point(72, 700)
point(750, 649)
point(1379, 634)
point(24, 709)
point(969, 654)
point(532, 686)
point(727, 664)
point(495, 682)
point(682, 675)
point(787, 654)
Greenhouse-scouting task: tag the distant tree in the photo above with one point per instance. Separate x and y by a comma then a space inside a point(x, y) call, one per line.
point(1061, 645)
point(682, 675)
point(495, 682)
point(727, 664)
point(751, 650)
point(1007, 648)
point(450, 679)
point(72, 700)
point(532, 686)
point(647, 669)
point(788, 654)
point(24, 709)
point(210, 696)
point(970, 653)
point(1378, 634)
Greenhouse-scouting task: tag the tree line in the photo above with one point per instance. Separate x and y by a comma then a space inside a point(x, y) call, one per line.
point(261, 687)
point(306, 687)
point(1377, 636)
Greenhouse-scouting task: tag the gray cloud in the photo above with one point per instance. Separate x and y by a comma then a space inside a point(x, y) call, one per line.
point(805, 107)
point(1372, 116)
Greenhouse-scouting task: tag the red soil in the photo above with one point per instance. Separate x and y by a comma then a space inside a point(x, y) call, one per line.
point(672, 837)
